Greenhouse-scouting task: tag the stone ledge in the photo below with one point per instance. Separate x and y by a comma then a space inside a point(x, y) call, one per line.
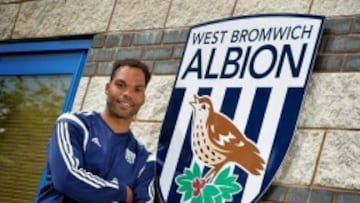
point(139, 14)
point(7, 19)
point(187, 12)
point(332, 101)
point(60, 18)
point(335, 8)
point(339, 161)
point(300, 161)
point(95, 96)
point(273, 6)
point(147, 134)
point(80, 94)
point(285, 194)
point(157, 98)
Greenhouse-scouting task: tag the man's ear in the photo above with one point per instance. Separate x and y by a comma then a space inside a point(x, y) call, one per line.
point(107, 87)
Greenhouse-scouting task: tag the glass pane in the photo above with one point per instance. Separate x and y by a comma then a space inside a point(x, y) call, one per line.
point(29, 106)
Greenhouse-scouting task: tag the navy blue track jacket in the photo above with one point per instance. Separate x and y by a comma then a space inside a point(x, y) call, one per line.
point(88, 162)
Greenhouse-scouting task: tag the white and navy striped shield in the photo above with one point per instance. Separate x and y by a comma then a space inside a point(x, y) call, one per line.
point(254, 70)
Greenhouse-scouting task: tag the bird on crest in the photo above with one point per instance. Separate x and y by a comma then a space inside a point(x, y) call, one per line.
point(216, 140)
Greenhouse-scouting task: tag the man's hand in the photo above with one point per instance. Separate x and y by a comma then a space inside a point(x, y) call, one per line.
point(129, 195)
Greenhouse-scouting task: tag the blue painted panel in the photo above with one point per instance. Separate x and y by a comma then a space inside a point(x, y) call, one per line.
point(45, 46)
point(40, 63)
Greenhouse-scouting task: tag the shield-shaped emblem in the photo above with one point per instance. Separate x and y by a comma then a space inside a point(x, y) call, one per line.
point(234, 107)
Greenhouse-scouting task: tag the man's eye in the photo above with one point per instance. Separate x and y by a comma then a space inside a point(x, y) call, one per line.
point(120, 85)
point(139, 89)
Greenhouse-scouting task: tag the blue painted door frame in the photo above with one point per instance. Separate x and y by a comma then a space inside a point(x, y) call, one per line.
point(56, 57)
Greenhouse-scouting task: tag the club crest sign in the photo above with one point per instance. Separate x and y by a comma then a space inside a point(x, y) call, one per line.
point(234, 107)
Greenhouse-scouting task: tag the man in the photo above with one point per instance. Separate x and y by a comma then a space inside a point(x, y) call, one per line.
point(94, 157)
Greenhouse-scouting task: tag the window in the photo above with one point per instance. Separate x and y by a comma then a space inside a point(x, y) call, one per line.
point(38, 81)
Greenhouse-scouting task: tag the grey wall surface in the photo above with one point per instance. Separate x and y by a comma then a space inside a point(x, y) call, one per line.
point(322, 164)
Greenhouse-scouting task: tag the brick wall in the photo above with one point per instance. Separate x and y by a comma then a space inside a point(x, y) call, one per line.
point(322, 164)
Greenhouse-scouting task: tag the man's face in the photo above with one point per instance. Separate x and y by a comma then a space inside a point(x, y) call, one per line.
point(126, 92)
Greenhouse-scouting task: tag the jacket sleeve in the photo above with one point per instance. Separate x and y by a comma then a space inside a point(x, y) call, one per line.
point(144, 184)
point(66, 163)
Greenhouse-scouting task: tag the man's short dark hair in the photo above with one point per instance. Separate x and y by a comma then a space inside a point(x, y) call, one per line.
point(133, 63)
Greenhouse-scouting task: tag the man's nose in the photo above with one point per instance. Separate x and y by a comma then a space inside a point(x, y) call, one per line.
point(128, 92)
